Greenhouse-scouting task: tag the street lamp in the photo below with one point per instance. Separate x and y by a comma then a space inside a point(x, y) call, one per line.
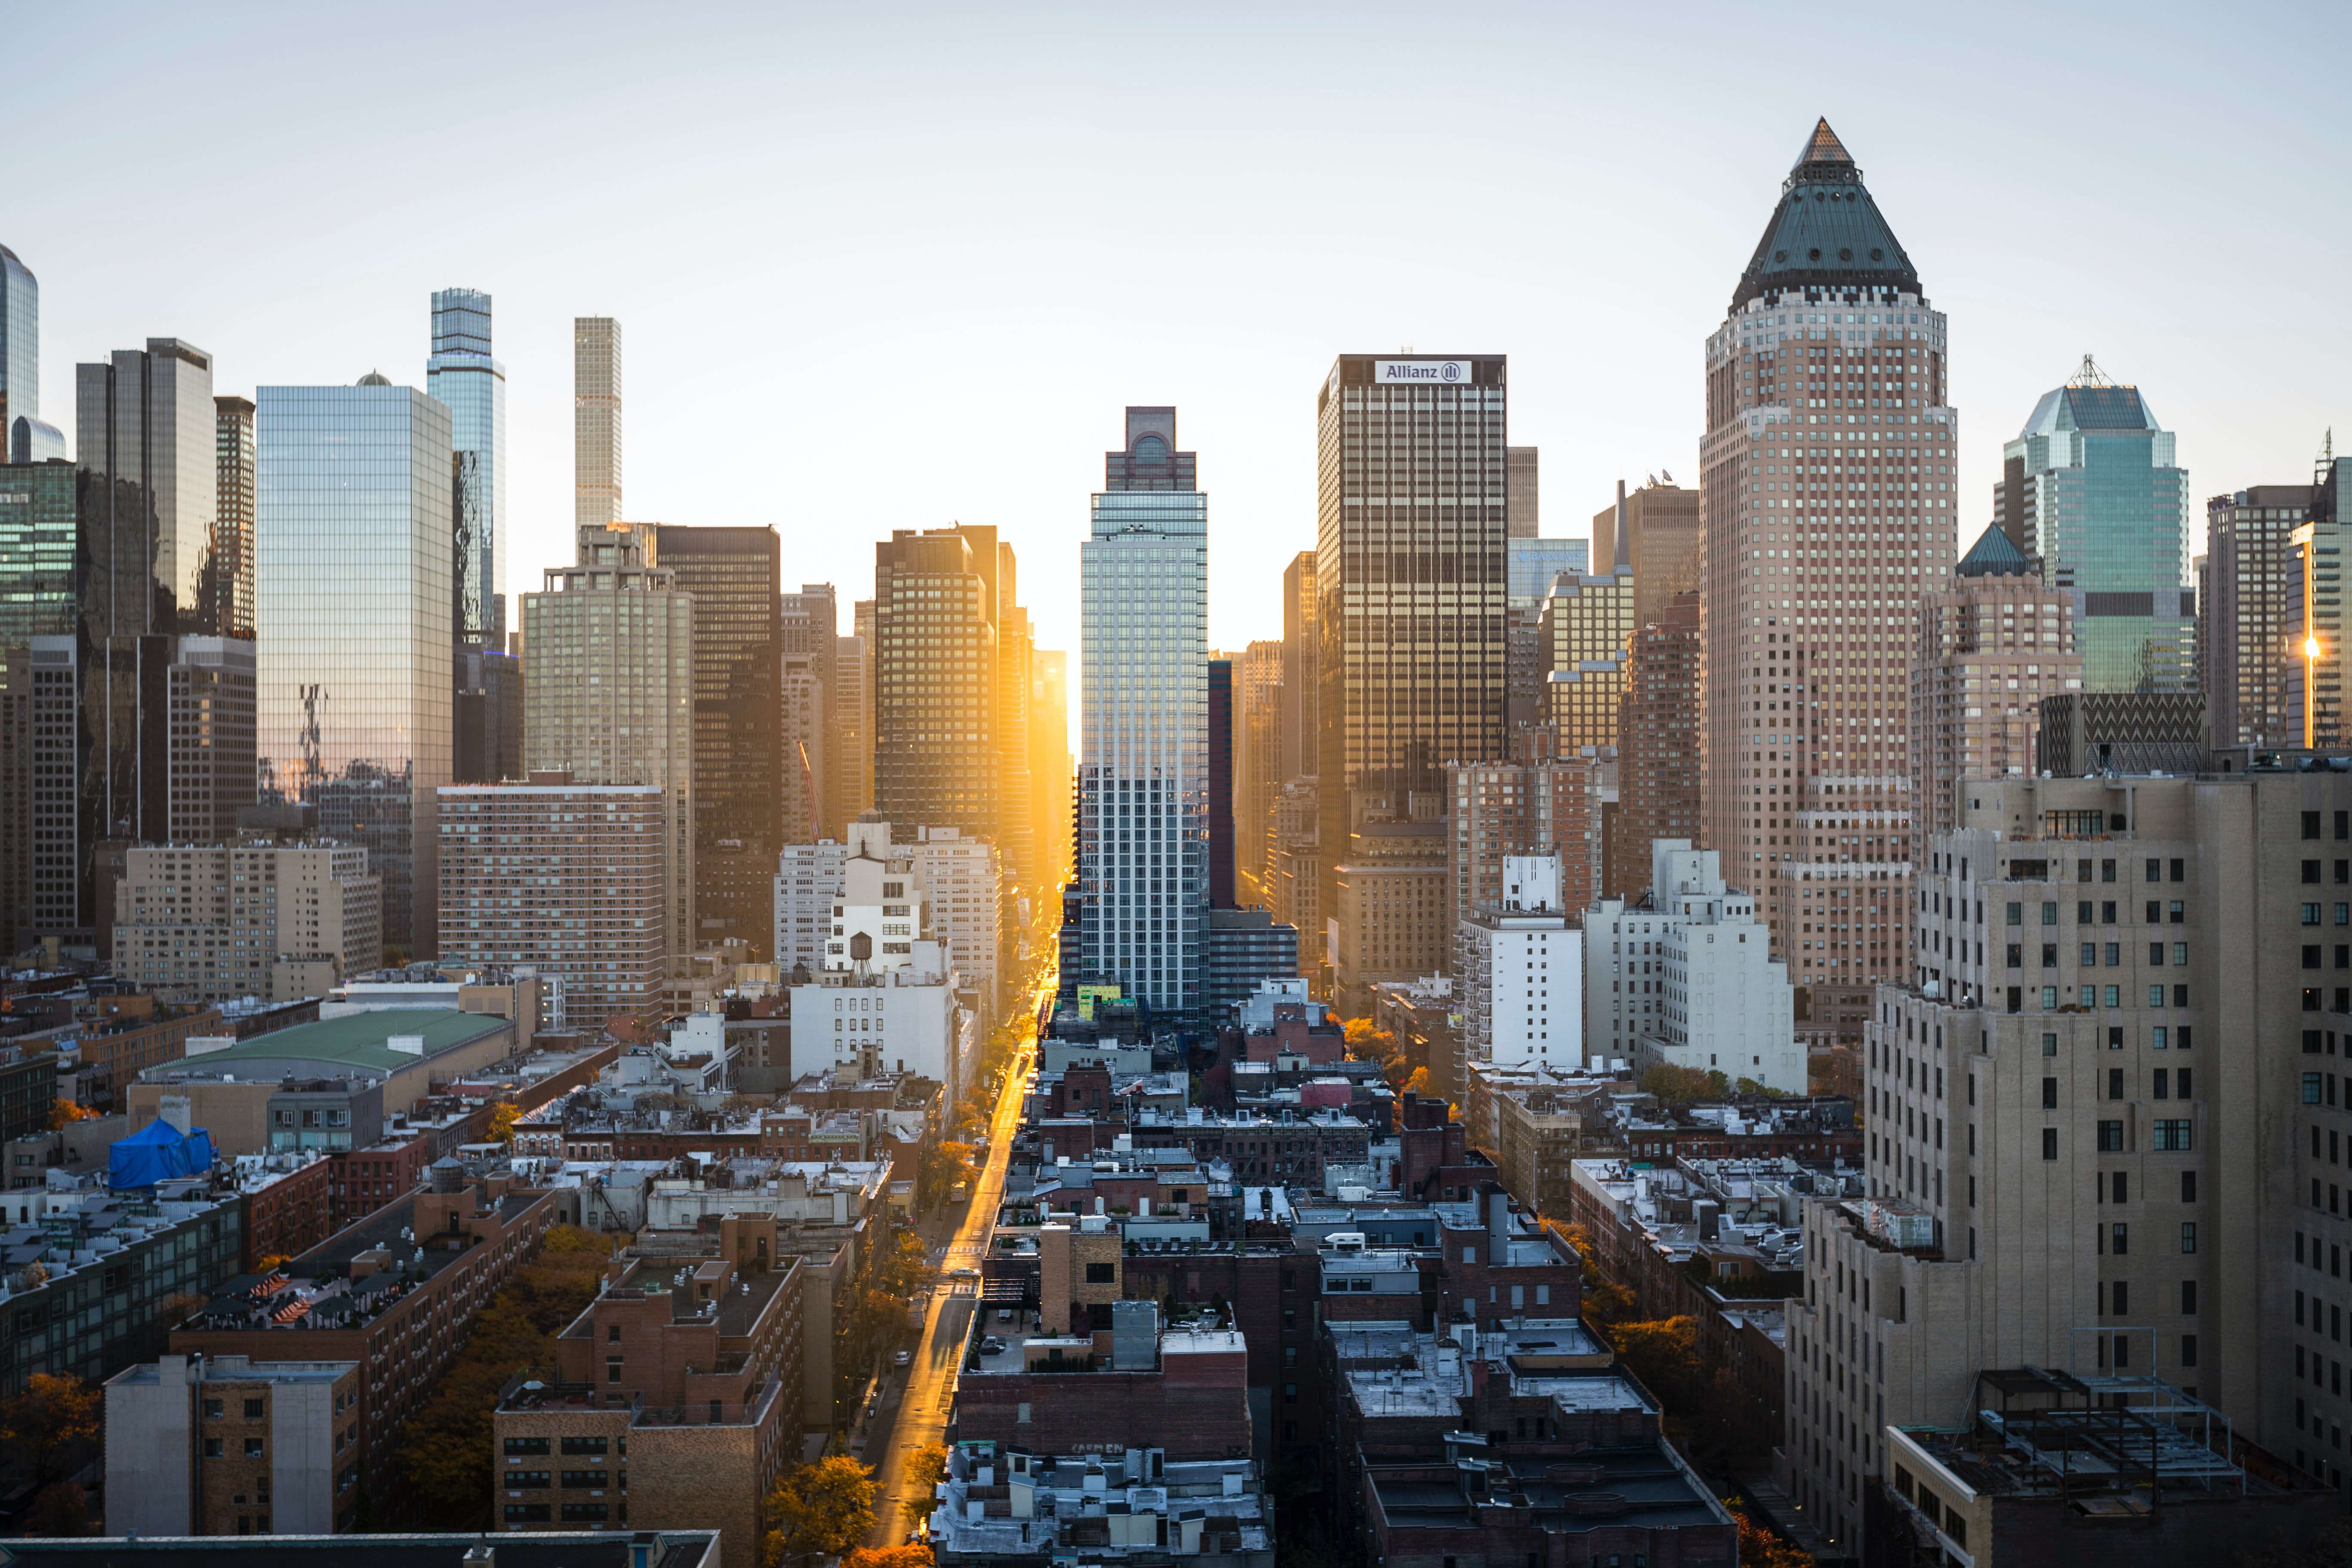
point(2310, 688)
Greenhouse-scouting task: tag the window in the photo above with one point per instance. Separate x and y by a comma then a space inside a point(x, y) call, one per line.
point(211, 1448)
point(2114, 1083)
point(2111, 1137)
point(253, 1410)
point(253, 1447)
point(2188, 1349)
point(613, 1369)
point(1101, 1273)
point(2049, 1045)
point(2049, 1143)
point(2188, 1186)
point(612, 1333)
point(2123, 1298)
point(527, 1480)
point(576, 1445)
point(584, 1512)
point(2049, 1094)
point(2119, 1238)
point(527, 1513)
point(2173, 1135)
point(2188, 1236)
point(530, 1444)
point(2311, 872)
point(212, 1410)
point(2189, 1298)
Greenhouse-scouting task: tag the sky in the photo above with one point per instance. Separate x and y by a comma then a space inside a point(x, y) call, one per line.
point(891, 267)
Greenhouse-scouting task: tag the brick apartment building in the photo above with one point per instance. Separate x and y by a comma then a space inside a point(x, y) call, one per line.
point(676, 1396)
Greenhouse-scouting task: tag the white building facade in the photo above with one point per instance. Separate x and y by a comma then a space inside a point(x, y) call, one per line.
point(1522, 973)
point(962, 883)
point(1688, 978)
point(808, 883)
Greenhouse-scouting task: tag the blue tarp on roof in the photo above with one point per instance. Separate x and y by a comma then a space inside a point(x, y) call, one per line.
point(158, 1152)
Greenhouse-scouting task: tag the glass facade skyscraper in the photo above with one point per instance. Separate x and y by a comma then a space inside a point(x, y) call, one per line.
point(353, 591)
point(22, 435)
point(144, 421)
point(463, 378)
point(2090, 488)
point(233, 466)
point(1143, 769)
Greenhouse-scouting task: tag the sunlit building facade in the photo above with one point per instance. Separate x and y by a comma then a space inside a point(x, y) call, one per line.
point(233, 452)
point(1143, 764)
point(596, 420)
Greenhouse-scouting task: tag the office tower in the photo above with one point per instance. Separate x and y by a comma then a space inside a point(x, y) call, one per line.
point(2317, 633)
point(2249, 595)
point(488, 717)
point(211, 686)
point(250, 914)
point(1536, 804)
point(144, 422)
point(1016, 651)
point(849, 756)
point(808, 884)
point(806, 719)
point(1051, 778)
point(1825, 405)
point(1143, 764)
point(1244, 947)
point(2089, 490)
point(473, 386)
point(1295, 816)
point(351, 485)
point(1687, 978)
point(27, 439)
point(1257, 758)
point(1994, 642)
point(1660, 526)
point(596, 420)
point(1521, 969)
point(609, 695)
point(15, 794)
point(233, 458)
point(1659, 748)
point(964, 879)
point(563, 875)
point(1530, 567)
point(1521, 492)
point(1221, 784)
point(2101, 1149)
point(1301, 682)
point(40, 523)
point(1586, 626)
point(1392, 917)
point(1295, 872)
point(936, 698)
point(1410, 510)
point(735, 576)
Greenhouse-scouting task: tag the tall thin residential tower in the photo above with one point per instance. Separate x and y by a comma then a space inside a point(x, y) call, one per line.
point(1143, 767)
point(1826, 503)
point(595, 419)
point(473, 386)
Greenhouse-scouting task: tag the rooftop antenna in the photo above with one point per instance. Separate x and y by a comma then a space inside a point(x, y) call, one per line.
point(2090, 374)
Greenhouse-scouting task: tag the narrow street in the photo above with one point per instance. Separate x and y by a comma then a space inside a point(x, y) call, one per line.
point(919, 1413)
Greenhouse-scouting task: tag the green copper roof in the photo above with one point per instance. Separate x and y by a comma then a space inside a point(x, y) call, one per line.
point(1826, 233)
point(1994, 555)
point(356, 1041)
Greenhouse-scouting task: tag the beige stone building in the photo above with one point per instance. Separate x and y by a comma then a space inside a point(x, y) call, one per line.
point(1993, 642)
point(1660, 526)
point(1393, 922)
point(258, 918)
point(2104, 1124)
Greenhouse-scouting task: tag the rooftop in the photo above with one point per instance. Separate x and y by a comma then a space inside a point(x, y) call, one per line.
point(535, 1548)
point(1825, 231)
point(356, 1042)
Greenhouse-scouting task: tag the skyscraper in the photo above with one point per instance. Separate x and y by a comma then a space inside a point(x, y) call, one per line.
point(1825, 407)
point(849, 760)
point(473, 386)
point(1584, 633)
point(609, 687)
point(2320, 634)
point(1016, 649)
point(2089, 488)
point(936, 700)
point(1412, 499)
point(233, 453)
point(1050, 775)
point(1994, 641)
point(1523, 492)
point(1530, 565)
point(1222, 866)
point(1257, 763)
point(1658, 751)
point(596, 420)
point(2248, 599)
point(144, 422)
point(1143, 765)
point(806, 698)
point(1660, 521)
point(352, 489)
point(735, 576)
point(23, 435)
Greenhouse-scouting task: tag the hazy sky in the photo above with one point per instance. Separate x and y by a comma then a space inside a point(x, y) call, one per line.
point(894, 267)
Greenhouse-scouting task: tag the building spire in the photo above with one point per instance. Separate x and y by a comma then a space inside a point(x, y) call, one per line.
point(1625, 551)
point(1822, 147)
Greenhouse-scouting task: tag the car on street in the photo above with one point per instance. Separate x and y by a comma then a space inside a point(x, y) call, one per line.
point(902, 1359)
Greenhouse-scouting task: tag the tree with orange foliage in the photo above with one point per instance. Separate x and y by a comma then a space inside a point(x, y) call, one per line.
point(42, 1427)
point(64, 1112)
point(908, 1556)
point(1762, 1548)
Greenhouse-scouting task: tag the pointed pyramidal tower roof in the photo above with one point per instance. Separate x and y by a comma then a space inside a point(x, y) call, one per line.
point(1826, 234)
point(1994, 555)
